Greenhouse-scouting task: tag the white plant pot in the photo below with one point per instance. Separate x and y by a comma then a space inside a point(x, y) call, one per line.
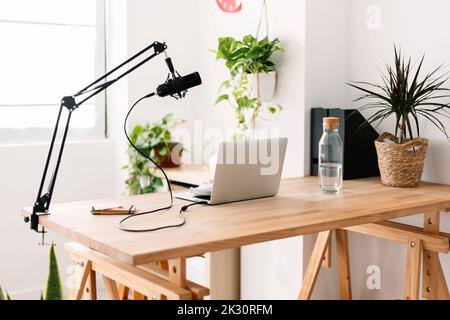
point(265, 85)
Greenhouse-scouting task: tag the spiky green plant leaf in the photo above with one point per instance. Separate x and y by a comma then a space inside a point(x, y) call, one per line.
point(406, 97)
point(2, 296)
point(54, 289)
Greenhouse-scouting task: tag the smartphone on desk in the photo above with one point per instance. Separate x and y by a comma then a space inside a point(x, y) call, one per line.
point(112, 208)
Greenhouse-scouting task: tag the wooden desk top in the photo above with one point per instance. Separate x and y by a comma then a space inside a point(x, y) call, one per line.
point(300, 208)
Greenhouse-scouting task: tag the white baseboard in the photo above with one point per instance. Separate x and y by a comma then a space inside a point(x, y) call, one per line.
point(27, 294)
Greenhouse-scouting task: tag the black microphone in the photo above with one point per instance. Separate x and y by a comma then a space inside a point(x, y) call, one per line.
point(179, 84)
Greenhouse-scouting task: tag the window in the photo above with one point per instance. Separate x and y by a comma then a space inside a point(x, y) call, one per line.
point(49, 49)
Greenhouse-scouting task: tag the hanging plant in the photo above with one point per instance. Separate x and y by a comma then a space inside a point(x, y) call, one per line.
point(244, 58)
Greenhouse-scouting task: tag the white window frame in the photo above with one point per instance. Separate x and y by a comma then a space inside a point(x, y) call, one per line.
point(99, 131)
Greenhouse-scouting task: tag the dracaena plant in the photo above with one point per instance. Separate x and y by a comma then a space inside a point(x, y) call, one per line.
point(242, 58)
point(407, 96)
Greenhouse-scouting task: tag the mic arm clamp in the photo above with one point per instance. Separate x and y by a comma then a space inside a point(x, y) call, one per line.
point(43, 200)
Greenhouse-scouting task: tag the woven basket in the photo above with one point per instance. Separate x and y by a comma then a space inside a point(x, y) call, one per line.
point(401, 165)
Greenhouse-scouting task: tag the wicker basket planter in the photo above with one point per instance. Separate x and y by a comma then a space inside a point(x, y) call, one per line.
point(401, 165)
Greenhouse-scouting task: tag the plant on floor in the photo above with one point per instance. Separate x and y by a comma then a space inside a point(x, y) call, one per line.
point(408, 97)
point(53, 289)
point(156, 141)
point(243, 58)
point(4, 295)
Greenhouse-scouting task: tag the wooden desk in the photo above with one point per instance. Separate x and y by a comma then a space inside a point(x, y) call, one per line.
point(299, 209)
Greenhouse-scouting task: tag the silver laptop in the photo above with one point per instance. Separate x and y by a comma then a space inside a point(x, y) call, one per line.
point(245, 170)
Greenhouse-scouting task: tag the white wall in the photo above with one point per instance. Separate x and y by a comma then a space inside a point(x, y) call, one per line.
point(24, 266)
point(169, 21)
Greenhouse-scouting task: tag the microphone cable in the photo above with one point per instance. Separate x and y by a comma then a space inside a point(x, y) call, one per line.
point(184, 208)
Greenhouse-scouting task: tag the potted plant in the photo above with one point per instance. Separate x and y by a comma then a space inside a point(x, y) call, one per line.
point(154, 140)
point(252, 79)
point(408, 97)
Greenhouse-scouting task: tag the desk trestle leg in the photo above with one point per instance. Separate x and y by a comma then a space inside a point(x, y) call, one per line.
point(146, 282)
point(321, 257)
point(317, 257)
point(434, 286)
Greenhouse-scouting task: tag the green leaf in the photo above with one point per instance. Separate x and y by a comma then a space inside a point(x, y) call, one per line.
point(272, 110)
point(167, 119)
point(54, 288)
point(244, 80)
point(255, 53)
point(221, 98)
point(243, 102)
point(157, 182)
point(249, 40)
point(164, 151)
point(225, 85)
point(2, 297)
point(239, 92)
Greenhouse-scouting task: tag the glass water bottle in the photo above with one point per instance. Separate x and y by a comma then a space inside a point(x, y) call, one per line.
point(330, 157)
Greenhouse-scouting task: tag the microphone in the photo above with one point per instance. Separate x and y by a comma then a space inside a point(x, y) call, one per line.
point(178, 85)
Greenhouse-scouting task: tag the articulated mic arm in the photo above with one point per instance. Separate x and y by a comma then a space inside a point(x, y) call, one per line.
point(43, 200)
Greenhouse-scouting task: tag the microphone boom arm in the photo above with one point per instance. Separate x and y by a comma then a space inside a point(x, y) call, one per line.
point(42, 204)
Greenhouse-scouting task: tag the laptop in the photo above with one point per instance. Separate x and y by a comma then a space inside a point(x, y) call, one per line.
point(245, 170)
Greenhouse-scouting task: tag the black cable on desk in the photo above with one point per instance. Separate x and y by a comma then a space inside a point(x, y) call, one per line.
point(184, 208)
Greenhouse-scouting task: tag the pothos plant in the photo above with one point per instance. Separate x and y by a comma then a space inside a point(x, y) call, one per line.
point(155, 141)
point(244, 58)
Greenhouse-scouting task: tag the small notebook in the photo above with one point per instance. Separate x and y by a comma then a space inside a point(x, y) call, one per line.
point(112, 208)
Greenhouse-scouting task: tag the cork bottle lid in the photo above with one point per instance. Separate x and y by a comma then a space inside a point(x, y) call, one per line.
point(331, 123)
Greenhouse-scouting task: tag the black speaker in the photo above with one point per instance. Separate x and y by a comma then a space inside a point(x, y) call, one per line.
point(360, 156)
